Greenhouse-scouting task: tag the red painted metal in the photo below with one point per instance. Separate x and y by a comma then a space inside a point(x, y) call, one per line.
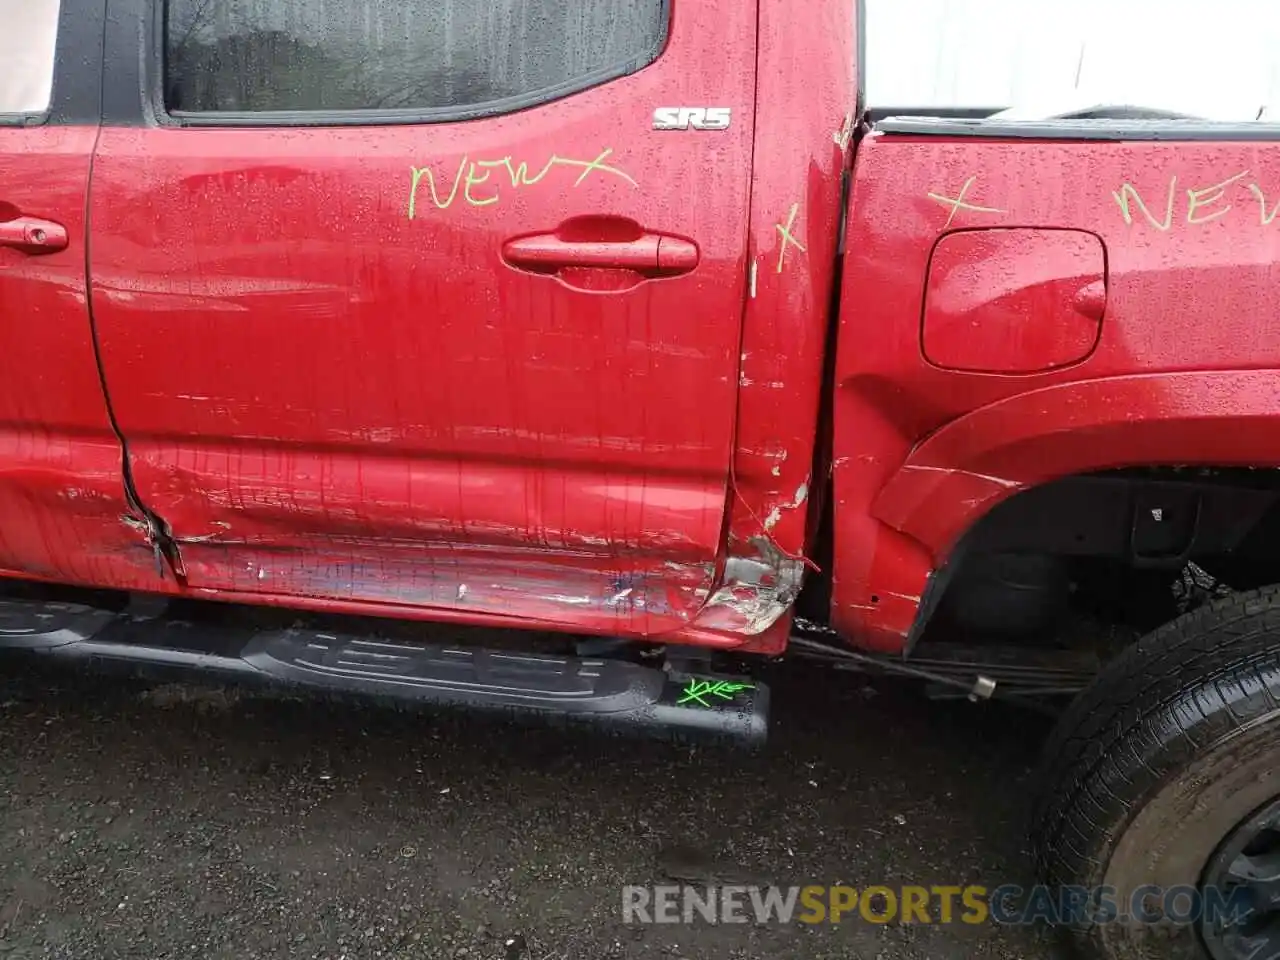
point(559, 369)
point(33, 235)
point(805, 116)
point(1013, 301)
point(547, 252)
point(62, 499)
point(1184, 371)
point(333, 387)
point(584, 252)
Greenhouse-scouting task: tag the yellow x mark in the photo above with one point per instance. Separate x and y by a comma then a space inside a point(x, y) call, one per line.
point(958, 203)
point(787, 238)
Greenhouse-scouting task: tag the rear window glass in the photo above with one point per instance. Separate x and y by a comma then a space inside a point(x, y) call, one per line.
point(247, 56)
point(26, 54)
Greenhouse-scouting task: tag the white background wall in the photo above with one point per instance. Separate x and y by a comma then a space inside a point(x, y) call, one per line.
point(1218, 59)
point(27, 31)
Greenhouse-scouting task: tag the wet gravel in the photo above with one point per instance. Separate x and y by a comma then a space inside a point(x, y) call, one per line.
point(158, 821)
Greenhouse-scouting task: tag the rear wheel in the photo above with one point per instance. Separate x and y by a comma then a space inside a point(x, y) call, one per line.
point(1166, 774)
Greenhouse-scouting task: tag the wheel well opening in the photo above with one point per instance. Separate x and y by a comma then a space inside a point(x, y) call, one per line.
point(1099, 559)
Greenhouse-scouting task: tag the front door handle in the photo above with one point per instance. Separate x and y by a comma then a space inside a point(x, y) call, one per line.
point(32, 235)
point(650, 254)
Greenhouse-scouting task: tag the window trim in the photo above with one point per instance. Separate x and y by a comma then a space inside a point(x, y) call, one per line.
point(1072, 129)
point(381, 117)
point(26, 119)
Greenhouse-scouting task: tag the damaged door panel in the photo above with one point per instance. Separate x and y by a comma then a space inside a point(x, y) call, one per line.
point(464, 343)
point(63, 505)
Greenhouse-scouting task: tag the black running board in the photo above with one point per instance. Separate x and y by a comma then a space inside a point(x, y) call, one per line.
point(619, 694)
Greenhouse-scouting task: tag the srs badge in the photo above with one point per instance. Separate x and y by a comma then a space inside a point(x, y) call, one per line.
point(692, 118)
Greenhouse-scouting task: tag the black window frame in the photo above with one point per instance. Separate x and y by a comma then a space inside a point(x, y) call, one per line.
point(163, 116)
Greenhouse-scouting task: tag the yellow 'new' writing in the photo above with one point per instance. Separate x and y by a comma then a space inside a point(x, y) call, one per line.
point(472, 174)
point(1202, 204)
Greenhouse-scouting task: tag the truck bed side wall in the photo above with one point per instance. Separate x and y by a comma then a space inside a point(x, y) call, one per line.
point(966, 369)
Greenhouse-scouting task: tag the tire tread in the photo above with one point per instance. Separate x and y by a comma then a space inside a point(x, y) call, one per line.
point(1154, 709)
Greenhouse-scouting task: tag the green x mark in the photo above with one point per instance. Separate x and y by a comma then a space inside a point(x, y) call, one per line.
point(697, 691)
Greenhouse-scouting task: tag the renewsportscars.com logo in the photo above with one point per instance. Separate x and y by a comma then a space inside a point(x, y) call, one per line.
point(1008, 904)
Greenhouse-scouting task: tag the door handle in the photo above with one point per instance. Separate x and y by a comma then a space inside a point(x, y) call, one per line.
point(651, 254)
point(32, 235)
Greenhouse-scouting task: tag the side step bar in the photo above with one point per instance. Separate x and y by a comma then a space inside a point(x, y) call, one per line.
point(618, 694)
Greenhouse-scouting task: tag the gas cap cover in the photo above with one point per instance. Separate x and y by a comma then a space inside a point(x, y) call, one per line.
point(1014, 301)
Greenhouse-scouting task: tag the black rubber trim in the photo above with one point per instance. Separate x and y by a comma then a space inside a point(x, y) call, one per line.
point(935, 587)
point(124, 84)
point(875, 115)
point(76, 99)
point(135, 84)
point(1106, 130)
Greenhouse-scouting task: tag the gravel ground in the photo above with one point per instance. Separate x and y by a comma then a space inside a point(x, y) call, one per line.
point(175, 821)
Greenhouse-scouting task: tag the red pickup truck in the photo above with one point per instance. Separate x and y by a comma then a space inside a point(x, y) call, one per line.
point(632, 320)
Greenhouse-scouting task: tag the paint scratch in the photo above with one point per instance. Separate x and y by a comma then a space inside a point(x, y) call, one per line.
point(775, 515)
point(844, 135)
point(756, 593)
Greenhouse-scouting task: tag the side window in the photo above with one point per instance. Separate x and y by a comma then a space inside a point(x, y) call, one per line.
point(458, 56)
point(26, 54)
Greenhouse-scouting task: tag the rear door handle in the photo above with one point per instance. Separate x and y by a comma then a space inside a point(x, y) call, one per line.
point(651, 254)
point(32, 235)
